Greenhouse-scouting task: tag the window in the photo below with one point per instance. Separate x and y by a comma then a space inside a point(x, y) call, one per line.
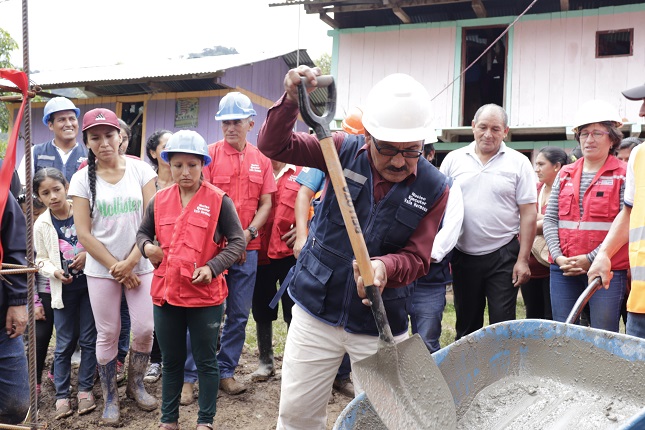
point(614, 43)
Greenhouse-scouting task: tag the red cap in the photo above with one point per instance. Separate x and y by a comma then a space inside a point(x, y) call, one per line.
point(100, 116)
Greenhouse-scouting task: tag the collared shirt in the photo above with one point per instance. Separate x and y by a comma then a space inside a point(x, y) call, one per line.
point(64, 155)
point(630, 188)
point(278, 141)
point(492, 194)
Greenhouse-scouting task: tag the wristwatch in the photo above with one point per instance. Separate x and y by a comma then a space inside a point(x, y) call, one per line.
point(253, 231)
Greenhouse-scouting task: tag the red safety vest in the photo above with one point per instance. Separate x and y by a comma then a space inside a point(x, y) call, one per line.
point(600, 204)
point(283, 213)
point(186, 237)
point(241, 176)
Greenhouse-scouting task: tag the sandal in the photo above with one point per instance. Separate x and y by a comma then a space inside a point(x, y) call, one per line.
point(63, 408)
point(169, 426)
point(208, 426)
point(86, 402)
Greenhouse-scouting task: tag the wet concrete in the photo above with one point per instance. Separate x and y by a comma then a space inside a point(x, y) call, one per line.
point(538, 375)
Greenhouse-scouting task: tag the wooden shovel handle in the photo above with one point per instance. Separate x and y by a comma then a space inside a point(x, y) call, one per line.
point(356, 238)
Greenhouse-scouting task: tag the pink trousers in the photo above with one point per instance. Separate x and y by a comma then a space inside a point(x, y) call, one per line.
point(105, 296)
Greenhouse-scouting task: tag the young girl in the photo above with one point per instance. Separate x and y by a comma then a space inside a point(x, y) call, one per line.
point(63, 259)
point(110, 196)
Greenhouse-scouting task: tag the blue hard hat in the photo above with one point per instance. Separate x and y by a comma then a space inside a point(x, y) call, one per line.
point(186, 142)
point(234, 106)
point(58, 104)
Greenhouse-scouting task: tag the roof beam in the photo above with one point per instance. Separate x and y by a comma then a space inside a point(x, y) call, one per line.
point(564, 5)
point(330, 7)
point(328, 19)
point(479, 8)
point(400, 13)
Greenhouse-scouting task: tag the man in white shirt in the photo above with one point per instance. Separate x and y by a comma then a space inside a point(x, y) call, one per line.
point(499, 194)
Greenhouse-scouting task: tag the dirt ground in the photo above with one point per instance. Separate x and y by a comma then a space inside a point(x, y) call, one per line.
point(256, 409)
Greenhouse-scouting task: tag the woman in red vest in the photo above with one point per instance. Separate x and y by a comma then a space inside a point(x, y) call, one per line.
point(585, 198)
point(192, 220)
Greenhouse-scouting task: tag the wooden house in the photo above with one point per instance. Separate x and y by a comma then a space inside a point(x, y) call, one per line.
point(559, 54)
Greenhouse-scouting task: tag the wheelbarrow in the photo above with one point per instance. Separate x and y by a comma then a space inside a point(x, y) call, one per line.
point(536, 374)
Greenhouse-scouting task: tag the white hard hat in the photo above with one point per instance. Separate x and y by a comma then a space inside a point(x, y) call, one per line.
point(186, 142)
point(398, 110)
point(234, 106)
point(596, 111)
point(58, 104)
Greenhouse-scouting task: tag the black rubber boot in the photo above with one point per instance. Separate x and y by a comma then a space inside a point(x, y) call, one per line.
point(111, 412)
point(136, 390)
point(265, 345)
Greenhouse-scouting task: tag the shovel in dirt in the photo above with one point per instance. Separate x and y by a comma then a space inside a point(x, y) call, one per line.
point(402, 380)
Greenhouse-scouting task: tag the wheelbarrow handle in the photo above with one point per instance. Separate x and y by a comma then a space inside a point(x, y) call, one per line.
point(344, 198)
point(594, 286)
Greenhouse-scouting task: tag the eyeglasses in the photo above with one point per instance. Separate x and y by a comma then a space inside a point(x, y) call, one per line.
point(389, 151)
point(597, 134)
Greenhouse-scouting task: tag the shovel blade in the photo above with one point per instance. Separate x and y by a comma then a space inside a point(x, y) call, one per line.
point(406, 388)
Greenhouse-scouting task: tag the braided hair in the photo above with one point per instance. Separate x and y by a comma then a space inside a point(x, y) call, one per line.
point(91, 174)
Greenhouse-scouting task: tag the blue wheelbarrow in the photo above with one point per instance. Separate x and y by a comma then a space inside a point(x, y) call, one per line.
point(535, 374)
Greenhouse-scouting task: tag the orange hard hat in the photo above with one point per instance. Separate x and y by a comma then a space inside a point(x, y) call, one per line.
point(353, 122)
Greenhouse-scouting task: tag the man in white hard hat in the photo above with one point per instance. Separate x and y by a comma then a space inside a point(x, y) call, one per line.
point(246, 176)
point(63, 151)
point(399, 200)
point(629, 227)
point(498, 185)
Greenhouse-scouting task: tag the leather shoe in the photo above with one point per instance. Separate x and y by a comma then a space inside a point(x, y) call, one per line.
point(344, 386)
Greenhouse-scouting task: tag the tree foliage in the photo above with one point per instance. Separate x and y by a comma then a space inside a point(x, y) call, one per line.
point(7, 45)
point(214, 51)
point(324, 63)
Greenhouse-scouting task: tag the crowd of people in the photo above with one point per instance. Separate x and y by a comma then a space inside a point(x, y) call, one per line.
point(163, 260)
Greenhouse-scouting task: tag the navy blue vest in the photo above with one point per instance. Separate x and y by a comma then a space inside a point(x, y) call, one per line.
point(46, 155)
point(439, 274)
point(322, 280)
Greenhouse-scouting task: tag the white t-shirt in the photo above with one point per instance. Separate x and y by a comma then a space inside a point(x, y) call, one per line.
point(117, 213)
point(492, 193)
point(630, 189)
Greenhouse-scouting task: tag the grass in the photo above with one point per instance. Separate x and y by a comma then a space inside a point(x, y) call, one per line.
point(447, 326)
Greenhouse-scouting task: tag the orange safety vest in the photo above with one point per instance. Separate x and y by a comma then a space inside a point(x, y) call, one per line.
point(601, 203)
point(636, 301)
point(186, 238)
point(241, 176)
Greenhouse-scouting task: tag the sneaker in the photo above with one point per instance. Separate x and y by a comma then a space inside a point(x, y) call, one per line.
point(63, 408)
point(154, 373)
point(86, 402)
point(344, 386)
point(120, 371)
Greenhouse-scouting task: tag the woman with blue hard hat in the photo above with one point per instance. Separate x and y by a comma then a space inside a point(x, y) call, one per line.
point(192, 221)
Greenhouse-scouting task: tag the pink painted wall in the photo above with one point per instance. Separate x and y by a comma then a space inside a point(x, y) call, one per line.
point(427, 54)
point(555, 69)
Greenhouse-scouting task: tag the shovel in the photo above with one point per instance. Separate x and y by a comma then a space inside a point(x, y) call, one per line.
point(402, 380)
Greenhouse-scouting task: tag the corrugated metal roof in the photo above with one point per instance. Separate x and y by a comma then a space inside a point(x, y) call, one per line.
point(167, 71)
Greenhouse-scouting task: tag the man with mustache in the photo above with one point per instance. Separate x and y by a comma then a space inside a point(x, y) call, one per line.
point(399, 200)
point(498, 186)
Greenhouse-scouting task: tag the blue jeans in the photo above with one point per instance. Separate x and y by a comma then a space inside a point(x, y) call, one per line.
point(190, 368)
point(241, 281)
point(124, 337)
point(604, 304)
point(635, 325)
point(14, 381)
point(425, 306)
point(76, 313)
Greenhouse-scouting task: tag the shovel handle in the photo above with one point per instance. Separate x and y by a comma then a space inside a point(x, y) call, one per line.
point(344, 198)
point(595, 285)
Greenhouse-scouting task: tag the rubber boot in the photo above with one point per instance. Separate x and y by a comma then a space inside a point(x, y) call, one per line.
point(265, 345)
point(137, 367)
point(111, 411)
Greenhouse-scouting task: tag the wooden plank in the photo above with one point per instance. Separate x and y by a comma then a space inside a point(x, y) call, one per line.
point(371, 55)
point(479, 8)
point(344, 68)
point(556, 57)
point(358, 69)
point(572, 67)
point(541, 64)
point(443, 60)
point(588, 62)
point(634, 70)
point(400, 13)
point(526, 75)
point(564, 5)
